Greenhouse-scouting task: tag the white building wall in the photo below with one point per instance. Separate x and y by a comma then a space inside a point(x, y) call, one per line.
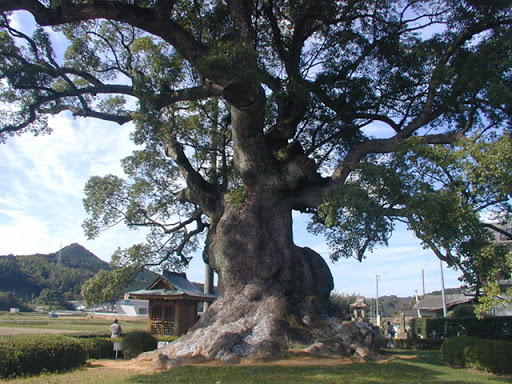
point(132, 307)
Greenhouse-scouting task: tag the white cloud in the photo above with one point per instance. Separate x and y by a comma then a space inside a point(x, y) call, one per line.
point(42, 180)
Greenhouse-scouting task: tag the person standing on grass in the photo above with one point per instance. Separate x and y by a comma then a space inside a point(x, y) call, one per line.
point(115, 329)
point(390, 333)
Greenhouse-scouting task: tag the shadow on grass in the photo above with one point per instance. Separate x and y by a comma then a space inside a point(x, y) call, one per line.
point(424, 367)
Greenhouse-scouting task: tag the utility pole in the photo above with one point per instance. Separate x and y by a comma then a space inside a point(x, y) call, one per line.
point(208, 283)
point(59, 256)
point(442, 288)
point(377, 278)
point(423, 281)
point(417, 301)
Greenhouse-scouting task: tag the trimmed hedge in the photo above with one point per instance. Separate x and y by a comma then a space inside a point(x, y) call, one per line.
point(471, 352)
point(424, 344)
point(90, 335)
point(136, 342)
point(492, 328)
point(97, 348)
point(452, 350)
point(33, 354)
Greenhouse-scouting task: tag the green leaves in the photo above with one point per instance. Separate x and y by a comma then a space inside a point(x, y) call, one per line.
point(106, 285)
point(231, 62)
point(355, 217)
point(105, 201)
point(443, 193)
point(147, 200)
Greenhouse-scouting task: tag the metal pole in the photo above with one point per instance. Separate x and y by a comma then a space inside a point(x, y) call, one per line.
point(417, 301)
point(442, 288)
point(377, 278)
point(208, 284)
point(423, 281)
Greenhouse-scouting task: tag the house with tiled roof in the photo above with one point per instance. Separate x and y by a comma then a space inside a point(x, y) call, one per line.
point(432, 305)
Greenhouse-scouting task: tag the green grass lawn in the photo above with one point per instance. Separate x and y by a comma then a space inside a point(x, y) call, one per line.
point(66, 323)
point(427, 368)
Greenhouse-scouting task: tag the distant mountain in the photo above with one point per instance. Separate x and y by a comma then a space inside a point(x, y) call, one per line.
point(390, 305)
point(72, 256)
point(62, 272)
point(449, 291)
point(76, 256)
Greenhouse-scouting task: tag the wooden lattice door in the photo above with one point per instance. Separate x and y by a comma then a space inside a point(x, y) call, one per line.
point(162, 320)
point(168, 321)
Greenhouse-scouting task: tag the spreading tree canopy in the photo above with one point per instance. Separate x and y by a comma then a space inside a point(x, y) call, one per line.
point(360, 113)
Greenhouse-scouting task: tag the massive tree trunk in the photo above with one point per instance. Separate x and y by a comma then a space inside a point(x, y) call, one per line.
point(271, 291)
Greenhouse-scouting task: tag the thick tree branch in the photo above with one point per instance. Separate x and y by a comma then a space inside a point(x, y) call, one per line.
point(241, 14)
point(170, 96)
point(276, 32)
point(424, 117)
point(380, 146)
point(499, 230)
point(198, 190)
point(164, 99)
point(252, 158)
point(437, 78)
point(156, 21)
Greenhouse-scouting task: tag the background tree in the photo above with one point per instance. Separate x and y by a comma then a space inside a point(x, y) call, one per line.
point(262, 108)
point(8, 301)
point(452, 197)
point(339, 305)
point(53, 300)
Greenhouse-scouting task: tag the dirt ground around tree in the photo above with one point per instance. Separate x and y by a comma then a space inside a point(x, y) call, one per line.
point(300, 360)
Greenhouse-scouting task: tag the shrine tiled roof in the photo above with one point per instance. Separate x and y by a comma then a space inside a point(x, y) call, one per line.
point(172, 284)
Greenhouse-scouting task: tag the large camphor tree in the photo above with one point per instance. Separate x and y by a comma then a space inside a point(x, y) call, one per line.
point(360, 113)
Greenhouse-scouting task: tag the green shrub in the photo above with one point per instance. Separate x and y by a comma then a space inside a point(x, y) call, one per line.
point(90, 335)
point(463, 311)
point(33, 354)
point(488, 355)
point(136, 342)
point(452, 350)
point(97, 348)
point(502, 356)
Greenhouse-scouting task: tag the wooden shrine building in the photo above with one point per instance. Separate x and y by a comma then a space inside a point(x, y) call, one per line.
point(173, 303)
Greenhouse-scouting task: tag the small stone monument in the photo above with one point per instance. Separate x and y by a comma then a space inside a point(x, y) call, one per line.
point(359, 310)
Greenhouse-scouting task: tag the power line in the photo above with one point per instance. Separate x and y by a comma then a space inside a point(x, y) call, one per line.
point(396, 266)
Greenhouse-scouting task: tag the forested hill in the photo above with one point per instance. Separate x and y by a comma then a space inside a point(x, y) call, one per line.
point(34, 277)
point(76, 256)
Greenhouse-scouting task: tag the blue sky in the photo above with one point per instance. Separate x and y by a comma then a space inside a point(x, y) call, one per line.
point(41, 190)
